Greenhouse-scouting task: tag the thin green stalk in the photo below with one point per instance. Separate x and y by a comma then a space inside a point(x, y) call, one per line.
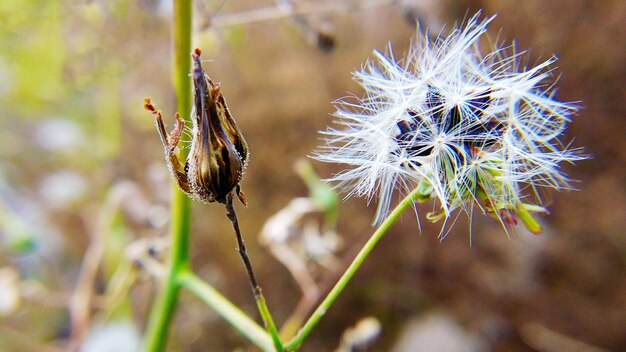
point(222, 306)
point(351, 271)
point(268, 321)
point(164, 307)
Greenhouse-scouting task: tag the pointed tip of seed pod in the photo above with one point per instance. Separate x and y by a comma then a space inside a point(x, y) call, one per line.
point(147, 104)
point(197, 66)
point(242, 198)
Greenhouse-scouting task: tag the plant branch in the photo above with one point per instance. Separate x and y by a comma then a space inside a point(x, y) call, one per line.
point(268, 321)
point(164, 307)
point(351, 271)
point(241, 246)
point(227, 310)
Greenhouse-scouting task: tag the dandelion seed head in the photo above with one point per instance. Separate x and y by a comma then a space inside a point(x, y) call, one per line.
point(474, 128)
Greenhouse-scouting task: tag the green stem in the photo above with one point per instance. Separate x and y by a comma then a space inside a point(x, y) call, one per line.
point(227, 310)
point(164, 307)
point(268, 321)
point(351, 271)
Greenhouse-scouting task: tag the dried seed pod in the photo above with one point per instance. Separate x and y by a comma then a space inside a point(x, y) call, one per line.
point(217, 157)
point(219, 153)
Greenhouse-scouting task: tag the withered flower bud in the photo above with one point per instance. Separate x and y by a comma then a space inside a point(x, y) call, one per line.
point(219, 153)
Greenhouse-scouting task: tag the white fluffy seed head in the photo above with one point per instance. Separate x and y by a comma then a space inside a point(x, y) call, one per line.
point(473, 126)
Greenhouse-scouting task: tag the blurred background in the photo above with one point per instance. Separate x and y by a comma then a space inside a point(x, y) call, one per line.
point(84, 192)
